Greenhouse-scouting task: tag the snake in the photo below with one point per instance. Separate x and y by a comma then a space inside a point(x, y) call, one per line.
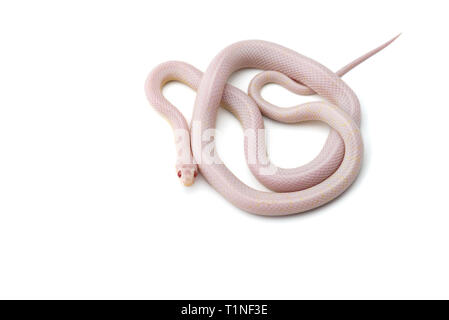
point(292, 190)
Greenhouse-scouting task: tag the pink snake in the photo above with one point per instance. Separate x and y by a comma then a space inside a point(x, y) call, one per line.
point(295, 190)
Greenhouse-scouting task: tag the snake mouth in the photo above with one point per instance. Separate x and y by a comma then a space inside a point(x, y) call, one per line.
point(188, 183)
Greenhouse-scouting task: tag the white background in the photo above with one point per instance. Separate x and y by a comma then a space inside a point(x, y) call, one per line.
point(90, 205)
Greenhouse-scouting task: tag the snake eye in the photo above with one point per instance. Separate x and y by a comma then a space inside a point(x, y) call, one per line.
point(179, 174)
point(195, 174)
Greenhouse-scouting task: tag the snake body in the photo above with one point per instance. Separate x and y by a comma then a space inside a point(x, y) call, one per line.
point(297, 189)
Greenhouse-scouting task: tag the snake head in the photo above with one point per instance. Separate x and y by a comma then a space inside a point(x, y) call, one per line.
point(187, 173)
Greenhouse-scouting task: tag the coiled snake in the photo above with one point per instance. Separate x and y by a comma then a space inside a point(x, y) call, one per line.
point(294, 190)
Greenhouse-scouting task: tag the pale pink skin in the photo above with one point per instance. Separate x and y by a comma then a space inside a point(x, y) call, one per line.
point(295, 190)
